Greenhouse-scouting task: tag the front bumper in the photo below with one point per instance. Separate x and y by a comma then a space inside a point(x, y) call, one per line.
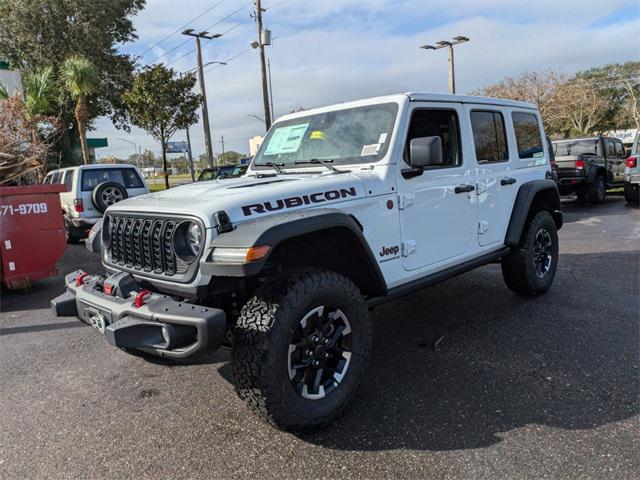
point(159, 325)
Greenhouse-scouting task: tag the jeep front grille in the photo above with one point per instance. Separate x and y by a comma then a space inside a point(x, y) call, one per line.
point(143, 244)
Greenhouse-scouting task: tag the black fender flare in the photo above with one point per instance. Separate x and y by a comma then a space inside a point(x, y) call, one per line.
point(594, 171)
point(523, 203)
point(274, 229)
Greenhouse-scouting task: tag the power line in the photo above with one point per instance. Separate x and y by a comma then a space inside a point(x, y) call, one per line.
point(180, 28)
point(205, 29)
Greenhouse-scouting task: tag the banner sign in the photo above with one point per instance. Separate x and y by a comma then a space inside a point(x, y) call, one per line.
point(177, 147)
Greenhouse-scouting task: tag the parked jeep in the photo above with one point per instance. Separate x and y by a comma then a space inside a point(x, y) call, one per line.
point(91, 189)
point(342, 209)
point(590, 166)
point(632, 175)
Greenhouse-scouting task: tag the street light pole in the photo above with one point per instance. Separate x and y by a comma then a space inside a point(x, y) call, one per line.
point(449, 45)
point(135, 150)
point(193, 176)
point(222, 142)
point(205, 111)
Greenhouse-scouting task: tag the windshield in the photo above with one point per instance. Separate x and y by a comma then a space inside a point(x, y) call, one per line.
point(353, 135)
point(577, 147)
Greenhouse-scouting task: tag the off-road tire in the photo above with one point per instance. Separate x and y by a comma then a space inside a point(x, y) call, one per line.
point(597, 191)
point(261, 340)
point(519, 268)
point(632, 194)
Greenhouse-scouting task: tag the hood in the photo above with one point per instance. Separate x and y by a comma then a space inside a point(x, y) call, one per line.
point(249, 197)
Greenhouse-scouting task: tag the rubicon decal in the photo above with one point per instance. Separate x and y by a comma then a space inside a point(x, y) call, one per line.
point(292, 202)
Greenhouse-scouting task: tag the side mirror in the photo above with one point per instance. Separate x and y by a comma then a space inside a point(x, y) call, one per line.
point(425, 152)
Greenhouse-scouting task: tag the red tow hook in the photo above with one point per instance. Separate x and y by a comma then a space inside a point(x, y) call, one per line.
point(139, 300)
point(80, 278)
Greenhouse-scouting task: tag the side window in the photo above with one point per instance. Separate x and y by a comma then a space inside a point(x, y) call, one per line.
point(131, 178)
point(489, 136)
point(611, 148)
point(56, 177)
point(47, 179)
point(528, 135)
point(437, 123)
point(68, 179)
point(619, 150)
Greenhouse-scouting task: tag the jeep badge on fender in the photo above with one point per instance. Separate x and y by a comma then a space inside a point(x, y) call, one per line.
point(285, 262)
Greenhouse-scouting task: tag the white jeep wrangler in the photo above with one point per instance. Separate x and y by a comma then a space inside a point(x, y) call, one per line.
point(343, 208)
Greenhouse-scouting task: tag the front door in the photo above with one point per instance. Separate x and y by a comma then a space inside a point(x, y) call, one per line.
point(437, 208)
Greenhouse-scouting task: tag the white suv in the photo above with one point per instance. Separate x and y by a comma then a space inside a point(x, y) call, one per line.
point(342, 209)
point(91, 189)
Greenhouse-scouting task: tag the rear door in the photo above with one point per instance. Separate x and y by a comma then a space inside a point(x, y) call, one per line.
point(495, 177)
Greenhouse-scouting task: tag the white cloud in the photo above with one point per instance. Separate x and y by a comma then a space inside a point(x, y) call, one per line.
point(338, 50)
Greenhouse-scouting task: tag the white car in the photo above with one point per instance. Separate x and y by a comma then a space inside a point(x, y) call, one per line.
point(632, 174)
point(91, 189)
point(343, 208)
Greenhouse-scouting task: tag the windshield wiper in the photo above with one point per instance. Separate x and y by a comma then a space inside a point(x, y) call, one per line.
point(324, 163)
point(275, 166)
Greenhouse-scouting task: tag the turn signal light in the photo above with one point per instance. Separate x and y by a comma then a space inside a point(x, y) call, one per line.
point(579, 164)
point(632, 162)
point(77, 204)
point(239, 255)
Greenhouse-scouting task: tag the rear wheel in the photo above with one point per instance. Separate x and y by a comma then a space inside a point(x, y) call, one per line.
point(597, 191)
point(300, 348)
point(531, 268)
point(632, 194)
point(71, 232)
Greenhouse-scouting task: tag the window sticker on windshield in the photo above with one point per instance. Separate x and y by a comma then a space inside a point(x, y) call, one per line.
point(371, 149)
point(286, 139)
point(383, 138)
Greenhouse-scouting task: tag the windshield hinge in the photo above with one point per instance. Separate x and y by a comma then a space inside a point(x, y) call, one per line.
point(405, 200)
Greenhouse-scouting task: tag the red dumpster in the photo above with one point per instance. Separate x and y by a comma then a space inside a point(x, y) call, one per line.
point(32, 235)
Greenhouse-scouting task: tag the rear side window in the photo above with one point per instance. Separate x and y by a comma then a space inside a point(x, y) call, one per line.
point(489, 136)
point(126, 177)
point(528, 135)
point(55, 177)
point(68, 179)
point(131, 178)
point(619, 150)
point(611, 148)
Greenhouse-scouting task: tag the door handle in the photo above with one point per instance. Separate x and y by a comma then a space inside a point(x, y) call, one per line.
point(507, 181)
point(464, 188)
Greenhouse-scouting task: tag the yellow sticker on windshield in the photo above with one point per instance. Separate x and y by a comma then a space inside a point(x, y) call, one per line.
point(318, 135)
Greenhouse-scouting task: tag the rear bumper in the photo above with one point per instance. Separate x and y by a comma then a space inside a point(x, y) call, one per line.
point(160, 326)
point(570, 184)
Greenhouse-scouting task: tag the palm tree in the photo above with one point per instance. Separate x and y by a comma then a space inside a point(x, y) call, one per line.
point(81, 79)
point(39, 92)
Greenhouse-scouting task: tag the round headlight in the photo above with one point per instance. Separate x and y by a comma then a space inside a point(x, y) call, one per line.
point(194, 238)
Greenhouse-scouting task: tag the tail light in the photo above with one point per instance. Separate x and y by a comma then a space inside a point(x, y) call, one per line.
point(579, 164)
point(77, 204)
point(632, 162)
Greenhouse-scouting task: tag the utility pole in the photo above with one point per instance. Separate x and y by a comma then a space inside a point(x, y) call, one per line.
point(193, 176)
point(263, 68)
point(205, 111)
point(222, 142)
point(273, 115)
point(449, 45)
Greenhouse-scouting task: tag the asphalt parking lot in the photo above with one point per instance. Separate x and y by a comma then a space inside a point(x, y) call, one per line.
point(467, 380)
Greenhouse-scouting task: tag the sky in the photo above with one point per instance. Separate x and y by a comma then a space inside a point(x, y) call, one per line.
point(329, 51)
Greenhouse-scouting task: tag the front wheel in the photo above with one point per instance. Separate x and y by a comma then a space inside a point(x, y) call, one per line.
point(531, 267)
point(300, 348)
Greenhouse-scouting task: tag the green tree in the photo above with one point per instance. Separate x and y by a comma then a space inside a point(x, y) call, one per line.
point(40, 92)
point(81, 79)
point(161, 103)
point(230, 158)
point(43, 33)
